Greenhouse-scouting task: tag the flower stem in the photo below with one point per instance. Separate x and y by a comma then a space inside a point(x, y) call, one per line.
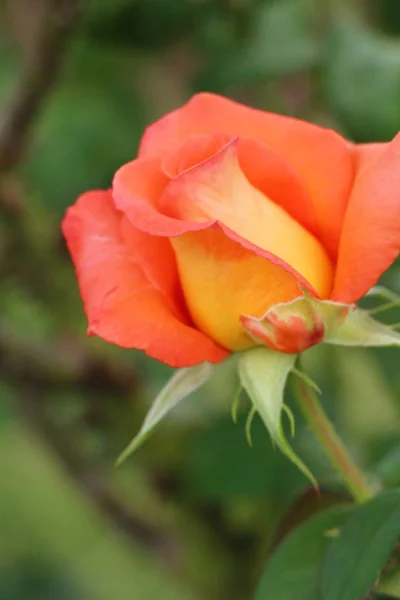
point(353, 478)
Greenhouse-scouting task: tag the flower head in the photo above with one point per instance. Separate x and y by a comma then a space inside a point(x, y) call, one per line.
point(228, 213)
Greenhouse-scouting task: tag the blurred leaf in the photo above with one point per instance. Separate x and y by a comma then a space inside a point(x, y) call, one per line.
point(91, 126)
point(367, 409)
point(183, 383)
point(362, 81)
point(292, 571)
point(220, 466)
point(387, 13)
point(389, 467)
point(37, 581)
point(356, 558)
point(283, 41)
point(150, 24)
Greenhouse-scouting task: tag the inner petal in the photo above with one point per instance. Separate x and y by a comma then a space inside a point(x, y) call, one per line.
point(217, 190)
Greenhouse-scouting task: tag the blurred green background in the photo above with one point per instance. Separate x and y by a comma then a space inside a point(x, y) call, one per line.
point(195, 514)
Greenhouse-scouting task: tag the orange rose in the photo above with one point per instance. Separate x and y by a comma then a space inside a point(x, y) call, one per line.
point(227, 212)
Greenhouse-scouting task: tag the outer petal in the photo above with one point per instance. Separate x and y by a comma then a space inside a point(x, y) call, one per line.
point(128, 282)
point(364, 153)
point(321, 157)
point(146, 216)
point(371, 232)
point(135, 194)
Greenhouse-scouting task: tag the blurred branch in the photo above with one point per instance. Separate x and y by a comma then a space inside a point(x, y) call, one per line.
point(23, 373)
point(30, 369)
point(64, 363)
point(56, 20)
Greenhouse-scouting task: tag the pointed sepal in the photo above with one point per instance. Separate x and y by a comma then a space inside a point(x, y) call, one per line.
point(263, 374)
point(361, 329)
point(183, 383)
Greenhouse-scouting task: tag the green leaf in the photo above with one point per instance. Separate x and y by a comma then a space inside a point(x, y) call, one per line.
point(355, 559)
point(183, 383)
point(292, 571)
point(263, 375)
point(360, 329)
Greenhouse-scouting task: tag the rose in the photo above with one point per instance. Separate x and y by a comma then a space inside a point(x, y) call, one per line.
point(227, 212)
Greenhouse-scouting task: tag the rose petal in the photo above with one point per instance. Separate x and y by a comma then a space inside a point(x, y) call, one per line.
point(222, 280)
point(137, 189)
point(264, 168)
point(217, 190)
point(323, 160)
point(366, 152)
point(371, 232)
point(128, 282)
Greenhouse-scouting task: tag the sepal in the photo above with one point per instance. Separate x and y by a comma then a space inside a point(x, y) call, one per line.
point(360, 329)
point(183, 383)
point(292, 327)
point(263, 374)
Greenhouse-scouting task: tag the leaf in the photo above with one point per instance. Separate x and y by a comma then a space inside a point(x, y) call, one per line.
point(355, 559)
point(183, 383)
point(292, 571)
point(263, 375)
point(360, 329)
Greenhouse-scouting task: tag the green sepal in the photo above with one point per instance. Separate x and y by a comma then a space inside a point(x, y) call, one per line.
point(263, 374)
point(183, 383)
point(360, 329)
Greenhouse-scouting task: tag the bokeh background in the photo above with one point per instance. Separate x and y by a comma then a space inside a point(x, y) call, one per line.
point(196, 512)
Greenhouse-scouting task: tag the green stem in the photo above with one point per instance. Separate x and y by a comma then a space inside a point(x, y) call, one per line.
point(339, 457)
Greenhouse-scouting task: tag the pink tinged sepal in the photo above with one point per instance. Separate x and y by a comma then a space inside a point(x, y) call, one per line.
point(292, 327)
